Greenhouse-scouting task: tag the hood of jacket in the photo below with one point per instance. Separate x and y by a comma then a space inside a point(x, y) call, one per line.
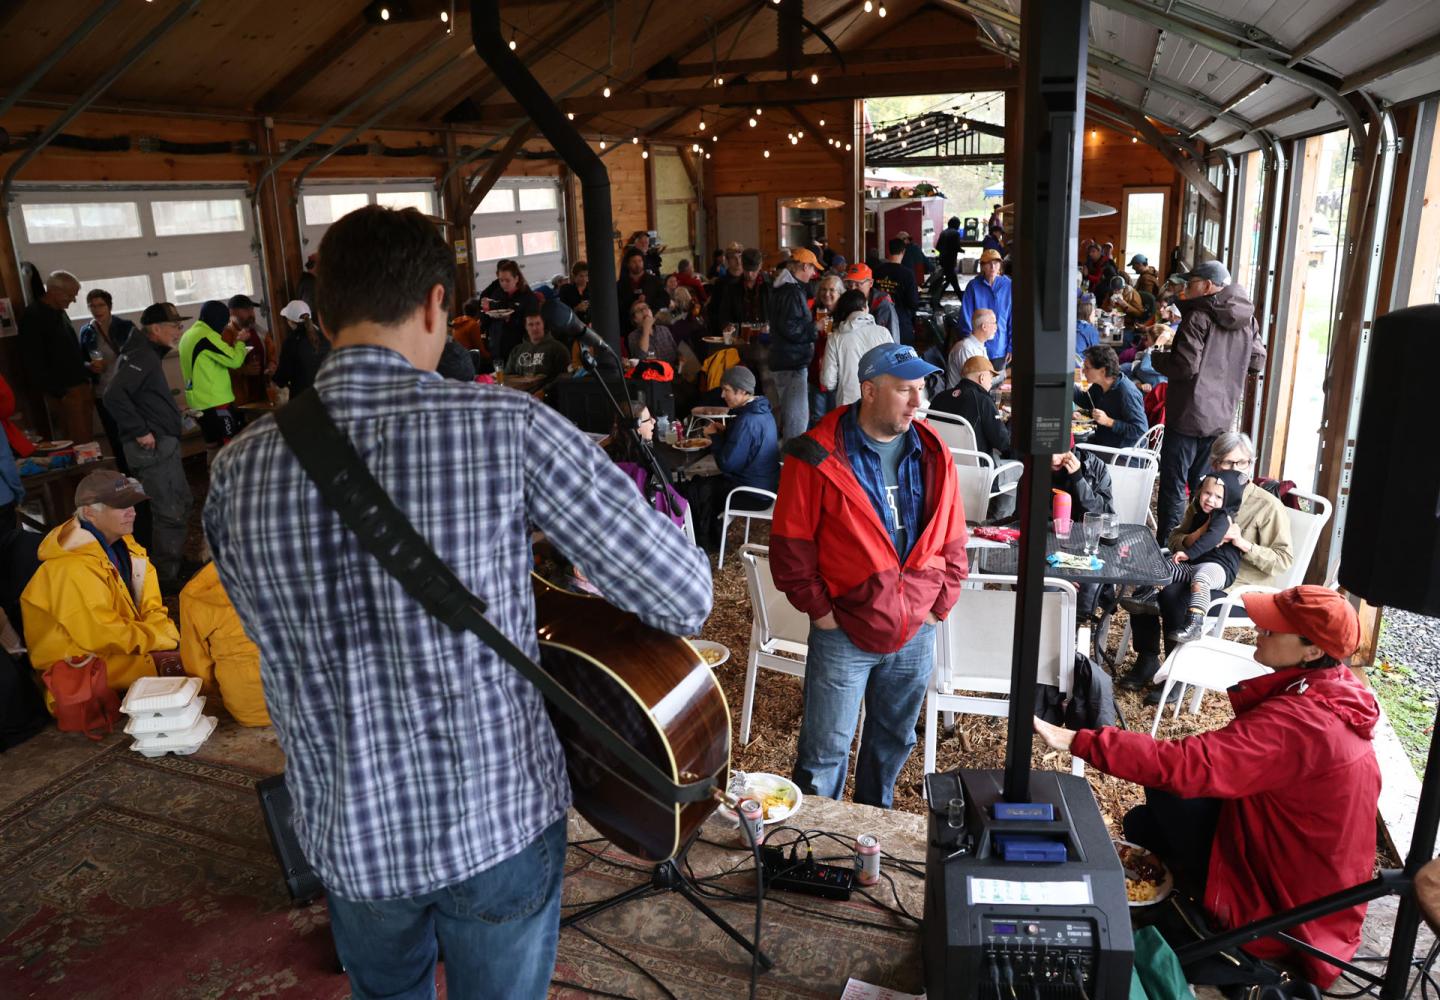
point(1335, 689)
point(205, 588)
point(71, 540)
point(857, 319)
point(784, 277)
point(1230, 308)
point(757, 407)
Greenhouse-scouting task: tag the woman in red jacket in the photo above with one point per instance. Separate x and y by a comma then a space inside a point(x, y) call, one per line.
point(1277, 808)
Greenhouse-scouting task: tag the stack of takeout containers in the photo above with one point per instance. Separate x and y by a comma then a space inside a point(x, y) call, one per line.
point(166, 715)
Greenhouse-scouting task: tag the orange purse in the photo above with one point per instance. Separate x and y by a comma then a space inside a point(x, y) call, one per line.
point(84, 702)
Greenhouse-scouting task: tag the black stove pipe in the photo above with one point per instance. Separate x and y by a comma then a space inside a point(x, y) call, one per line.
point(492, 48)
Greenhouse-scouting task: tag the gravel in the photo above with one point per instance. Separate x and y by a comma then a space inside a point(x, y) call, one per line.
point(1411, 640)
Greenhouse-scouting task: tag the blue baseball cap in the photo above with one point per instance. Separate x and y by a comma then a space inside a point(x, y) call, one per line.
point(894, 359)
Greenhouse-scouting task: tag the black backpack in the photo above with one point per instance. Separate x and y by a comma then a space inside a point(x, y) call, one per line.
point(1091, 704)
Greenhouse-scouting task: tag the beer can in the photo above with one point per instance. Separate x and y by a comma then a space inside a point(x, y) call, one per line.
point(867, 859)
point(752, 823)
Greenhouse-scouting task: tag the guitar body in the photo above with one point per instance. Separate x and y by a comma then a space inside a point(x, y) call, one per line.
point(657, 693)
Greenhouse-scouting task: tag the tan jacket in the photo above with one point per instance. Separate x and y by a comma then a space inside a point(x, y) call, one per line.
point(1262, 522)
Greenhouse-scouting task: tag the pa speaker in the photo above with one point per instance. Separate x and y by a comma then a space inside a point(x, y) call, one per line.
point(1391, 552)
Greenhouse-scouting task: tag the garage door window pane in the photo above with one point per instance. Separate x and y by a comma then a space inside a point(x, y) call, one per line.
point(541, 242)
point(494, 247)
point(131, 295)
point(404, 199)
point(498, 200)
point(186, 218)
point(204, 283)
point(536, 199)
point(74, 221)
point(323, 209)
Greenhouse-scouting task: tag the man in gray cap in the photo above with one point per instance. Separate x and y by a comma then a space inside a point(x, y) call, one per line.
point(868, 539)
point(149, 427)
point(1217, 344)
point(747, 449)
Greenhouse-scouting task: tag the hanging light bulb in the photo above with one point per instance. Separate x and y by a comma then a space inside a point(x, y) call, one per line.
point(1134, 138)
point(869, 6)
point(753, 123)
point(822, 122)
point(570, 115)
point(719, 81)
point(384, 13)
point(602, 143)
point(707, 156)
point(882, 8)
point(767, 154)
point(847, 147)
point(1094, 133)
point(759, 112)
point(512, 45)
point(800, 134)
point(605, 92)
point(714, 137)
point(644, 154)
point(814, 78)
point(635, 140)
point(702, 124)
point(444, 16)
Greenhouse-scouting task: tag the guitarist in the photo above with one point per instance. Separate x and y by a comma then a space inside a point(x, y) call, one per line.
point(429, 787)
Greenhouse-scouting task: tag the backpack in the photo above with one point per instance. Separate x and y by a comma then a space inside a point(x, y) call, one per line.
point(1091, 704)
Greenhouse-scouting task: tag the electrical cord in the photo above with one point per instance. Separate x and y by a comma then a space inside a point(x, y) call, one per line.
point(628, 960)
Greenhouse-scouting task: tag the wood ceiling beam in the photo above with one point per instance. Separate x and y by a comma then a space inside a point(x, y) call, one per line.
point(778, 92)
point(1188, 168)
point(315, 62)
point(494, 170)
point(826, 60)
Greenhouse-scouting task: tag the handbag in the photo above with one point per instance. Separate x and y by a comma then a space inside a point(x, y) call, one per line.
point(84, 701)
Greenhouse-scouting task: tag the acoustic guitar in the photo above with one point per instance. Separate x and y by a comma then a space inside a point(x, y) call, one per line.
point(658, 694)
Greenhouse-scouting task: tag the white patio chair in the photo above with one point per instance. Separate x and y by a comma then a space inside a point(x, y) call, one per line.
point(732, 514)
point(1210, 663)
point(973, 649)
point(1132, 480)
point(689, 526)
point(953, 429)
point(978, 476)
point(779, 633)
point(1153, 439)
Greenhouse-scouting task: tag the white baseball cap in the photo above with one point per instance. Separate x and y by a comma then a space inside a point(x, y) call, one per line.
point(295, 310)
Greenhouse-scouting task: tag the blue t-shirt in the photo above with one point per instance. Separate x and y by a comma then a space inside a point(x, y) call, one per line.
point(891, 452)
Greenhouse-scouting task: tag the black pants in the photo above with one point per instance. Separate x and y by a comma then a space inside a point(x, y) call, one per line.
point(947, 278)
point(1180, 831)
point(219, 424)
point(1183, 461)
point(112, 432)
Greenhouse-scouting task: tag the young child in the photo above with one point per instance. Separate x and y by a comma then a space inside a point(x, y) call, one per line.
point(1210, 563)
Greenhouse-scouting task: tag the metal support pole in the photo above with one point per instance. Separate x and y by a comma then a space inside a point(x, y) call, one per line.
point(48, 63)
point(1052, 67)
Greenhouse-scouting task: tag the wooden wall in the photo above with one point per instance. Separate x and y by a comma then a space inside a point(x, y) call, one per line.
point(629, 197)
point(1113, 163)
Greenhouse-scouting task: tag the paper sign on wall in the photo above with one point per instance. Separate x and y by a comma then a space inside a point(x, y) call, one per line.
point(462, 251)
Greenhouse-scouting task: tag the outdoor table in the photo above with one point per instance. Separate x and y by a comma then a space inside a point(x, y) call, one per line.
point(1144, 563)
point(55, 491)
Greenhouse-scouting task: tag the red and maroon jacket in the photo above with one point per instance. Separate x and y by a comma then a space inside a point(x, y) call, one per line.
point(829, 550)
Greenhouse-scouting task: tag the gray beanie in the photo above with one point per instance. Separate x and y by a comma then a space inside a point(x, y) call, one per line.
point(740, 378)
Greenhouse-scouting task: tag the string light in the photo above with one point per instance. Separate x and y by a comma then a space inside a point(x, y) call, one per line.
point(570, 115)
point(767, 154)
point(800, 134)
point(605, 92)
point(444, 16)
point(814, 78)
point(635, 140)
point(882, 9)
point(869, 6)
point(822, 122)
point(759, 112)
point(707, 156)
point(714, 137)
point(1094, 133)
point(702, 124)
point(1134, 138)
point(753, 123)
point(847, 147)
point(719, 81)
point(513, 32)
point(602, 143)
point(644, 154)
point(384, 13)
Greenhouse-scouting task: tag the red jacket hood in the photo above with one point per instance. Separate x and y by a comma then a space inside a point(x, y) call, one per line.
point(1335, 688)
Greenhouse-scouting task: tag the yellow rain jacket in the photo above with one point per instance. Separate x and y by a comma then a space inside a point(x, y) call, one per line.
point(76, 604)
point(215, 648)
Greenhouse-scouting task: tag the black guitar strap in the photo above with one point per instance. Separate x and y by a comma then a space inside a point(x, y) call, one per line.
point(348, 488)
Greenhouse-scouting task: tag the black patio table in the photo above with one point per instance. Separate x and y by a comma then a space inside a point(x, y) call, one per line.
point(1141, 563)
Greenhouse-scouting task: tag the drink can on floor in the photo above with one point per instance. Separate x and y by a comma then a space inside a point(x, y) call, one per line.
point(867, 859)
point(752, 823)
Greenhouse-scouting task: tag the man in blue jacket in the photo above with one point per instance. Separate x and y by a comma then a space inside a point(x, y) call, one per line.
point(991, 290)
point(1114, 400)
point(748, 450)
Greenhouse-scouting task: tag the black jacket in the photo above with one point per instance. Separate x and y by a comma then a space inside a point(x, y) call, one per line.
point(970, 401)
point(948, 246)
point(655, 297)
point(732, 302)
point(792, 328)
point(139, 397)
point(1089, 488)
point(898, 281)
point(299, 361)
point(50, 350)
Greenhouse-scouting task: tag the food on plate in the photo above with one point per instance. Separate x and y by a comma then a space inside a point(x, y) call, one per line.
point(711, 655)
point(777, 803)
point(1144, 873)
point(699, 442)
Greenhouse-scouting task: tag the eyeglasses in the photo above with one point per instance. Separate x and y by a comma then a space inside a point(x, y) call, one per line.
point(647, 420)
point(1233, 463)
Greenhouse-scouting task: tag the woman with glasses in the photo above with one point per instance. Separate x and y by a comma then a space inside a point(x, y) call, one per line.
point(1261, 531)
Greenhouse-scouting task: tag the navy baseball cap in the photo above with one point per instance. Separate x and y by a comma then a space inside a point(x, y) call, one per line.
point(894, 359)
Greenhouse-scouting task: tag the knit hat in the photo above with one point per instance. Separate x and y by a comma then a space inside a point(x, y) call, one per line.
point(215, 315)
point(740, 378)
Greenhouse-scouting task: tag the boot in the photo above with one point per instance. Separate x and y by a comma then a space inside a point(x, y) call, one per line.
point(1152, 697)
point(1194, 628)
point(1144, 601)
point(1139, 675)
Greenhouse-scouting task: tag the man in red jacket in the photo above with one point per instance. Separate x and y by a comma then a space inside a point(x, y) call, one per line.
point(868, 540)
point(1277, 808)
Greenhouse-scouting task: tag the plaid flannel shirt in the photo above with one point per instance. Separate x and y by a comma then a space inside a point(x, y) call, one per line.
point(416, 757)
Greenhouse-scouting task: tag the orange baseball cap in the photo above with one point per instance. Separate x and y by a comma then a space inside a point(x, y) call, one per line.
point(1316, 613)
point(858, 272)
point(804, 257)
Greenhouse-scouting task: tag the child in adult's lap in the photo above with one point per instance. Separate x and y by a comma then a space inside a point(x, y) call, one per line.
point(1209, 562)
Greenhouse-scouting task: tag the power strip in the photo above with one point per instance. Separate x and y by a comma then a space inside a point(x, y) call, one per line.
point(805, 876)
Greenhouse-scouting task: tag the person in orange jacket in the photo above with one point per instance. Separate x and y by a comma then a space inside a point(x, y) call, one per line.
point(215, 648)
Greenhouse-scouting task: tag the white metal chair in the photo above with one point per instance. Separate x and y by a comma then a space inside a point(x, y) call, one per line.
point(731, 514)
point(689, 526)
point(779, 634)
point(953, 429)
point(1132, 480)
point(977, 474)
point(973, 650)
point(1153, 439)
point(1210, 663)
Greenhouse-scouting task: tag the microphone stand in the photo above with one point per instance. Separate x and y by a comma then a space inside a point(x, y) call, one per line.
point(627, 420)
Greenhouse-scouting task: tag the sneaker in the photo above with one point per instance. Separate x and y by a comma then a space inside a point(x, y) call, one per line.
point(1152, 697)
point(1144, 601)
point(1141, 674)
point(1193, 629)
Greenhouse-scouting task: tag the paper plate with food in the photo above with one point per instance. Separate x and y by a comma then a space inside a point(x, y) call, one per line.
point(713, 653)
point(779, 797)
point(500, 313)
point(692, 444)
point(53, 445)
point(710, 411)
point(1147, 880)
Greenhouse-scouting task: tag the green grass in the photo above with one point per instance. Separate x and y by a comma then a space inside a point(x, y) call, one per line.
point(1410, 706)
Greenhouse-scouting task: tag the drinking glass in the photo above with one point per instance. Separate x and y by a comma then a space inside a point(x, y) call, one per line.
point(1091, 527)
point(1110, 533)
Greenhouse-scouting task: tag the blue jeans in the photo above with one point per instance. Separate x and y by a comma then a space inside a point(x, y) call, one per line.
point(838, 675)
point(499, 930)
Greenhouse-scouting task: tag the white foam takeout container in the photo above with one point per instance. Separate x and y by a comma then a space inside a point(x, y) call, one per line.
point(159, 694)
point(185, 741)
point(174, 720)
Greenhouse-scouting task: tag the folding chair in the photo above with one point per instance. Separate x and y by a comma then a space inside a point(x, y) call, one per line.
point(732, 514)
point(1133, 472)
point(977, 474)
point(779, 634)
point(953, 429)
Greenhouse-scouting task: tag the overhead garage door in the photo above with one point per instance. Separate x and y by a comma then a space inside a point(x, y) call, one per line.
point(142, 245)
point(321, 204)
point(521, 219)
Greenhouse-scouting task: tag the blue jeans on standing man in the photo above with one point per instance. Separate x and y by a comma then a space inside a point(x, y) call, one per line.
point(498, 929)
point(838, 677)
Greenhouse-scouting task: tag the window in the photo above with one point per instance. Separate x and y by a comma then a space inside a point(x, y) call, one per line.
point(548, 242)
point(1247, 251)
point(536, 199)
point(131, 295)
point(323, 209)
point(188, 287)
point(189, 218)
point(70, 222)
point(495, 247)
point(1144, 224)
point(498, 200)
point(420, 200)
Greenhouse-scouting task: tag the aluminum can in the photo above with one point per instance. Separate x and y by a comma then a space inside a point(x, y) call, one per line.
point(752, 823)
point(867, 859)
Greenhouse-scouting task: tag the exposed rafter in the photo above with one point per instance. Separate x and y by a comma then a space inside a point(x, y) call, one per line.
point(316, 62)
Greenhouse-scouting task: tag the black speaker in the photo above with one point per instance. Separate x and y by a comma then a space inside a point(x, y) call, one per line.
point(300, 878)
point(1391, 551)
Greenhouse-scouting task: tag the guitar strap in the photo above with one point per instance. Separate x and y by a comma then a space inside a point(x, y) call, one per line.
point(348, 488)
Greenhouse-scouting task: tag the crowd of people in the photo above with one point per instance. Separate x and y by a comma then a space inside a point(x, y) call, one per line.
point(822, 411)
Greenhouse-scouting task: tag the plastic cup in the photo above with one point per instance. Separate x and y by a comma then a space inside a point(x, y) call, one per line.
point(1061, 526)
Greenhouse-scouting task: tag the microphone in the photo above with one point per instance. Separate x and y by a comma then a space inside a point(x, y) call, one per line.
point(562, 319)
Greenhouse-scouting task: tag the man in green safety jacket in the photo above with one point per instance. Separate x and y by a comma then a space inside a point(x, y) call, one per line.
point(206, 358)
